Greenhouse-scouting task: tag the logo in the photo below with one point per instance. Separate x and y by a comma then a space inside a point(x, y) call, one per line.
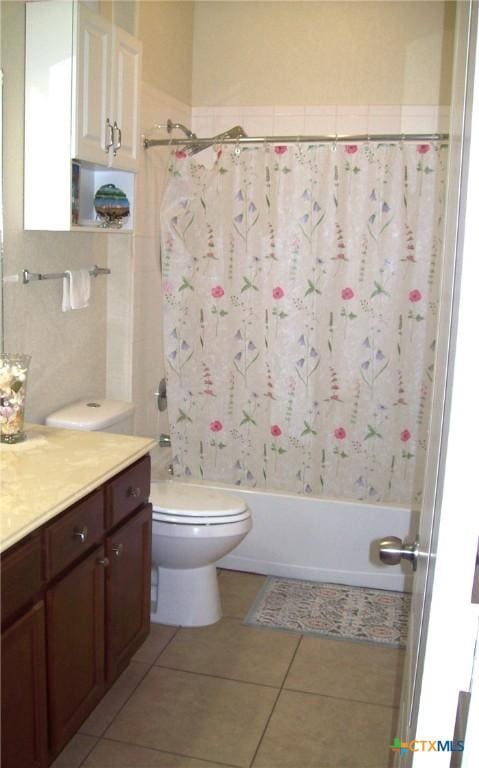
point(426, 745)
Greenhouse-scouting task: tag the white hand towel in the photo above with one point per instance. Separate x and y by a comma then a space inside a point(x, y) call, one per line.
point(76, 289)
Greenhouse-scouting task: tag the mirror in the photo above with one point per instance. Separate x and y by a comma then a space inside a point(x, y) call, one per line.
point(1, 213)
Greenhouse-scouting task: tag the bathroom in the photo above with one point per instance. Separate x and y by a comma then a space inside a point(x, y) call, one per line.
point(328, 84)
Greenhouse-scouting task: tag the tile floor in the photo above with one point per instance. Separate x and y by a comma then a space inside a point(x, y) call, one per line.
point(238, 696)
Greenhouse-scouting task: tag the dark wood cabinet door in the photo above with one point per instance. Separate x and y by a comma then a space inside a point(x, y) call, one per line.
point(128, 590)
point(24, 692)
point(75, 654)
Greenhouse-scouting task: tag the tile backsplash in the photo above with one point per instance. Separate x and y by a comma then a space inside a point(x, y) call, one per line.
point(324, 119)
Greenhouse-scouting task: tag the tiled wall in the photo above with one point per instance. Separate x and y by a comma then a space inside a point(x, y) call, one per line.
point(324, 119)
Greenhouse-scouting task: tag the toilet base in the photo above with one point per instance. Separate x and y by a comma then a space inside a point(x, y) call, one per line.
point(186, 598)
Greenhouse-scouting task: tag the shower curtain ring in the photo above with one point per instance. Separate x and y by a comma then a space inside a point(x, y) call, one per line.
point(237, 149)
point(334, 145)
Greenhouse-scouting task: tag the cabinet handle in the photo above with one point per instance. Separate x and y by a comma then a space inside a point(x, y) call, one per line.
point(81, 534)
point(108, 135)
point(117, 549)
point(134, 492)
point(103, 561)
point(117, 143)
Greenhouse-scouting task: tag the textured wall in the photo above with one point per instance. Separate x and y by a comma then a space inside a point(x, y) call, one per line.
point(67, 349)
point(322, 53)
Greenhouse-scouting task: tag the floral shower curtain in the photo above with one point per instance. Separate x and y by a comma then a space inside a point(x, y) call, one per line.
point(300, 288)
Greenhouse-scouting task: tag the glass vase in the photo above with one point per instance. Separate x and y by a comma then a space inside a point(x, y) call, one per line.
point(13, 386)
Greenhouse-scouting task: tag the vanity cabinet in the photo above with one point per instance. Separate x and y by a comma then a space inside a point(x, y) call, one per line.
point(77, 607)
point(82, 83)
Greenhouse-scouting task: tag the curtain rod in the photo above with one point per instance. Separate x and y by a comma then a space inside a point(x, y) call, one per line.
point(331, 138)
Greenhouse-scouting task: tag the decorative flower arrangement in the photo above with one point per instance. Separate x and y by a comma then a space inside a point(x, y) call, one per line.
point(13, 381)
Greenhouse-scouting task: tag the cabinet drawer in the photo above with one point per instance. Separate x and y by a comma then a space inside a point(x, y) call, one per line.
point(127, 491)
point(74, 533)
point(22, 575)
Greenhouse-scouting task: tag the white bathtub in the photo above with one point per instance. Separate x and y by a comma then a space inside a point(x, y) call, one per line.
point(305, 537)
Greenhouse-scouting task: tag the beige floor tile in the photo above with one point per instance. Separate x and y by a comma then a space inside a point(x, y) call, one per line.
point(105, 711)
point(309, 731)
point(114, 754)
point(195, 715)
point(230, 649)
point(360, 671)
point(238, 591)
point(75, 752)
point(159, 636)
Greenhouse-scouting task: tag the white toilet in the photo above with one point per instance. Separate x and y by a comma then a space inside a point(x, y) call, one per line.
point(193, 526)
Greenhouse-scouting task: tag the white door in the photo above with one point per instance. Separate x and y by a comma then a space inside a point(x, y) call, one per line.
point(443, 624)
point(126, 68)
point(92, 133)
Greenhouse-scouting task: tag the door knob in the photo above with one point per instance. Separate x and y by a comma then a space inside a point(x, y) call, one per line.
point(392, 550)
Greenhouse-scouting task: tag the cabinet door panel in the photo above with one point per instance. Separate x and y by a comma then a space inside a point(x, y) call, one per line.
point(24, 692)
point(75, 628)
point(128, 590)
point(126, 68)
point(93, 88)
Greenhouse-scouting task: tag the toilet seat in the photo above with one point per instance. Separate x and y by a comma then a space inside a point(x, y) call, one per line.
point(180, 504)
point(166, 517)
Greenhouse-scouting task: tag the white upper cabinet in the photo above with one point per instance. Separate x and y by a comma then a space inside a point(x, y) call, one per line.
point(82, 82)
point(107, 93)
point(92, 105)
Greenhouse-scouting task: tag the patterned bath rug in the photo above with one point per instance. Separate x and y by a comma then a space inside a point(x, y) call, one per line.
point(332, 610)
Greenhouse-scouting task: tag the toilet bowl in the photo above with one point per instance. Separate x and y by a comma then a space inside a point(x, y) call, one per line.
point(193, 527)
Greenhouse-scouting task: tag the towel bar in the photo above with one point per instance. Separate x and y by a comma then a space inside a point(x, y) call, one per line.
point(28, 276)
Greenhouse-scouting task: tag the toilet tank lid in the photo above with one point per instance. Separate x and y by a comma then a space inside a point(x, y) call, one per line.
point(90, 415)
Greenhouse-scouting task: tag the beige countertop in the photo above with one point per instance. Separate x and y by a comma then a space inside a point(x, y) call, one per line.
point(54, 468)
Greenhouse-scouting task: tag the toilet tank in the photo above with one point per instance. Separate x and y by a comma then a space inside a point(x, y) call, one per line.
point(95, 415)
